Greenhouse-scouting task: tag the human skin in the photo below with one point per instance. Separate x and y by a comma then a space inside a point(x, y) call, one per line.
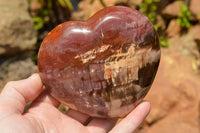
point(43, 115)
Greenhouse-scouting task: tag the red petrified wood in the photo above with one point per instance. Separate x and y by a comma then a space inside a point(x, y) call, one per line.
point(104, 66)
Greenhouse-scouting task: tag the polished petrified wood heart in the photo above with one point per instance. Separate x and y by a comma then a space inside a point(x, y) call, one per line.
point(104, 66)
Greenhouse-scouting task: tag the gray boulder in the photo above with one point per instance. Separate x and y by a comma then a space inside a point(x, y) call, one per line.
point(15, 68)
point(16, 28)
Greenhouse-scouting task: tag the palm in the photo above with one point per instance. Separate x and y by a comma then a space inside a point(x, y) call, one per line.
point(45, 110)
point(43, 115)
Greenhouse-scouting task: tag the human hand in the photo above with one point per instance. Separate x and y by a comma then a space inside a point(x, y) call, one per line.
point(44, 117)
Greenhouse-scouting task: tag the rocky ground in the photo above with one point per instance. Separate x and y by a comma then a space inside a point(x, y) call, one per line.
point(17, 41)
point(175, 94)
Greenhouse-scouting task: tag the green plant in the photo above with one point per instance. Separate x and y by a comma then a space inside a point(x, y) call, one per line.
point(47, 14)
point(149, 8)
point(66, 3)
point(41, 19)
point(49, 11)
point(164, 41)
point(101, 1)
point(184, 16)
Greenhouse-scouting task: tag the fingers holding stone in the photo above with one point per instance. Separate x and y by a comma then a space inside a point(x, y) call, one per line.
point(131, 122)
point(101, 125)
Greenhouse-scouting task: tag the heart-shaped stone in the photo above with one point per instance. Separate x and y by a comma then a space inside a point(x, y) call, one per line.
point(104, 66)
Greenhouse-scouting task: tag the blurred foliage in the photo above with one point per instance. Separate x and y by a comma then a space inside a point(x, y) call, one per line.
point(66, 3)
point(184, 16)
point(49, 11)
point(35, 57)
point(164, 41)
point(101, 1)
point(149, 9)
point(46, 14)
point(41, 19)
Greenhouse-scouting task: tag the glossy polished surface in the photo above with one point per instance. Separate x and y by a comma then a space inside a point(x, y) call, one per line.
point(104, 66)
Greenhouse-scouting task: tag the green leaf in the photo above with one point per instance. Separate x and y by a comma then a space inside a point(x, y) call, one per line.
point(184, 16)
point(66, 3)
point(164, 42)
point(38, 22)
point(69, 4)
point(148, 1)
point(156, 0)
point(102, 3)
point(91, 1)
point(153, 7)
point(62, 3)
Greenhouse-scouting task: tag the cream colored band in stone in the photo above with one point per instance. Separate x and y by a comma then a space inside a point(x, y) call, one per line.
point(126, 65)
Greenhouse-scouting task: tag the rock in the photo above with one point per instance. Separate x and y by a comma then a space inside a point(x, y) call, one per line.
point(194, 8)
point(162, 4)
point(17, 28)
point(173, 28)
point(86, 10)
point(16, 4)
point(174, 96)
point(179, 122)
point(18, 35)
point(16, 68)
point(185, 44)
point(161, 22)
point(189, 45)
point(129, 3)
point(35, 7)
point(172, 10)
point(195, 31)
point(136, 2)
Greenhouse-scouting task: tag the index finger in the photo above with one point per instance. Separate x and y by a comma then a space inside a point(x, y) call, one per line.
point(16, 94)
point(130, 123)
